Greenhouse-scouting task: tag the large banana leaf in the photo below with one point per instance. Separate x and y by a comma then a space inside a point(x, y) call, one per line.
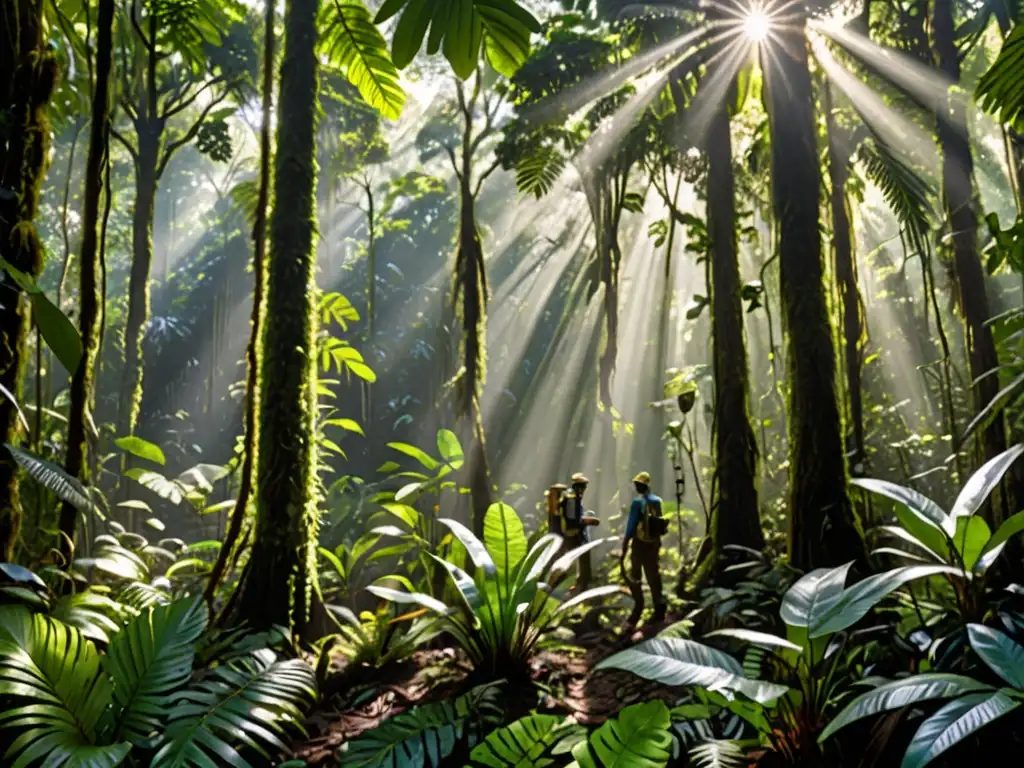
point(53, 674)
point(674, 661)
point(148, 661)
point(809, 600)
point(638, 738)
point(980, 485)
point(901, 693)
point(251, 701)
point(920, 516)
point(522, 744)
point(504, 538)
point(953, 723)
point(424, 735)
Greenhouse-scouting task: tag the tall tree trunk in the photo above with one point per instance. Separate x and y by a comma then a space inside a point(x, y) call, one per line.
point(91, 307)
point(823, 530)
point(471, 293)
point(30, 75)
point(150, 134)
point(735, 519)
point(279, 588)
point(846, 275)
point(958, 199)
point(253, 351)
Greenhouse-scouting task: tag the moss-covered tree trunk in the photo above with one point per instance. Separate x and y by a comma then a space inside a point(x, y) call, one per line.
point(150, 132)
point(471, 295)
point(91, 307)
point(279, 581)
point(846, 276)
point(822, 529)
point(958, 200)
point(28, 74)
point(735, 518)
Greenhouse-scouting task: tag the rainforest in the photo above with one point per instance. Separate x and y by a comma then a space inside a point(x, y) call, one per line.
point(511, 383)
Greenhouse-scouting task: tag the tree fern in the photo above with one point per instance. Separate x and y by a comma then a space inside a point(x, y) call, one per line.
point(425, 735)
point(252, 701)
point(148, 660)
point(356, 46)
point(53, 478)
point(53, 672)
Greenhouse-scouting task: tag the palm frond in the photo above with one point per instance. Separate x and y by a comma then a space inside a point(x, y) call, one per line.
point(140, 596)
point(427, 734)
point(94, 615)
point(537, 172)
point(355, 45)
point(524, 742)
point(148, 661)
point(53, 672)
point(907, 193)
point(1001, 89)
point(253, 700)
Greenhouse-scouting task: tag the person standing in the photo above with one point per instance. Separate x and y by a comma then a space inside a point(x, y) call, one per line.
point(574, 527)
point(644, 529)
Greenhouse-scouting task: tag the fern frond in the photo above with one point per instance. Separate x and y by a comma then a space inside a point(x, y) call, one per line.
point(1000, 90)
point(252, 701)
point(537, 172)
point(53, 478)
point(907, 193)
point(718, 754)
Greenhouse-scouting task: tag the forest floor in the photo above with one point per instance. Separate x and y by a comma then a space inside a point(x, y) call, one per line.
point(561, 675)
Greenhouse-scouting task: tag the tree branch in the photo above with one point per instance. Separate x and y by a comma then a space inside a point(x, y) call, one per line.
point(174, 146)
point(138, 27)
point(455, 163)
point(127, 145)
point(172, 109)
point(483, 176)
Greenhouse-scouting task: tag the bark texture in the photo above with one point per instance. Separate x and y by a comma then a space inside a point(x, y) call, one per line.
point(823, 531)
point(76, 460)
point(29, 76)
point(280, 579)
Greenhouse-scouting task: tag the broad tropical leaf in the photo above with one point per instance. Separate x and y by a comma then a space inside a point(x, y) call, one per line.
point(760, 639)
point(150, 659)
point(356, 46)
point(971, 536)
point(953, 723)
point(1002, 655)
point(900, 693)
point(521, 744)
point(427, 734)
point(809, 600)
point(53, 674)
point(639, 738)
point(144, 449)
point(1010, 528)
point(674, 661)
point(450, 448)
point(94, 615)
point(253, 700)
point(980, 486)
point(477, 551)
point(504, 537)
point(432, 603)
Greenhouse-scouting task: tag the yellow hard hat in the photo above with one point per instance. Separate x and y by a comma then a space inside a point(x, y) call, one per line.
point(579, 479)
point(644, 478)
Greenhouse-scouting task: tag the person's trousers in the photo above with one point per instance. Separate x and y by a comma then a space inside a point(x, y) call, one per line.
point(644, 562)
point(573, 540)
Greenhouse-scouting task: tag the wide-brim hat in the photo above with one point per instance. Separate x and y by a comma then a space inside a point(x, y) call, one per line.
point(579, 479)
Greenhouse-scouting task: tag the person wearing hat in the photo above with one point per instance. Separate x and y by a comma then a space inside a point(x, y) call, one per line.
point(644, 530)
point(575, 522)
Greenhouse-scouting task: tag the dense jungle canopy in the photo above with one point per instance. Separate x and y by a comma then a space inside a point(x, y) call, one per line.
point(310, 310)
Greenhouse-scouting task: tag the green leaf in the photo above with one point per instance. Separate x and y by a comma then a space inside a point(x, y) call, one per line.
point(477, 551)
point(865, 595)
point(810, 599)
point(1007, 396)
point(1000, 90)
point(157, 483)
point(354, 44)
point(760, 639)
point(901, 693)
point(916, 502)
point(450, 449)
point(60, 334)
point(504, 537)
point(980, 486)
point(522, 744)
point(1002, 655)
point(394, 596)
point(144, 449)
point(953, 723)
point(972, 534)
point(678, 662)
point(421, 456)
point(349, 425)
point(148, 661)
point(638, 738)
point(53, 478)
point(994, 547)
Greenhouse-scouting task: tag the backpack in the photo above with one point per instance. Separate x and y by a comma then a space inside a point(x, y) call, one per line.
point(655, 526)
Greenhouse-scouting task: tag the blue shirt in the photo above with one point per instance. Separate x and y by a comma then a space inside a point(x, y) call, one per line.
point(636, 513)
